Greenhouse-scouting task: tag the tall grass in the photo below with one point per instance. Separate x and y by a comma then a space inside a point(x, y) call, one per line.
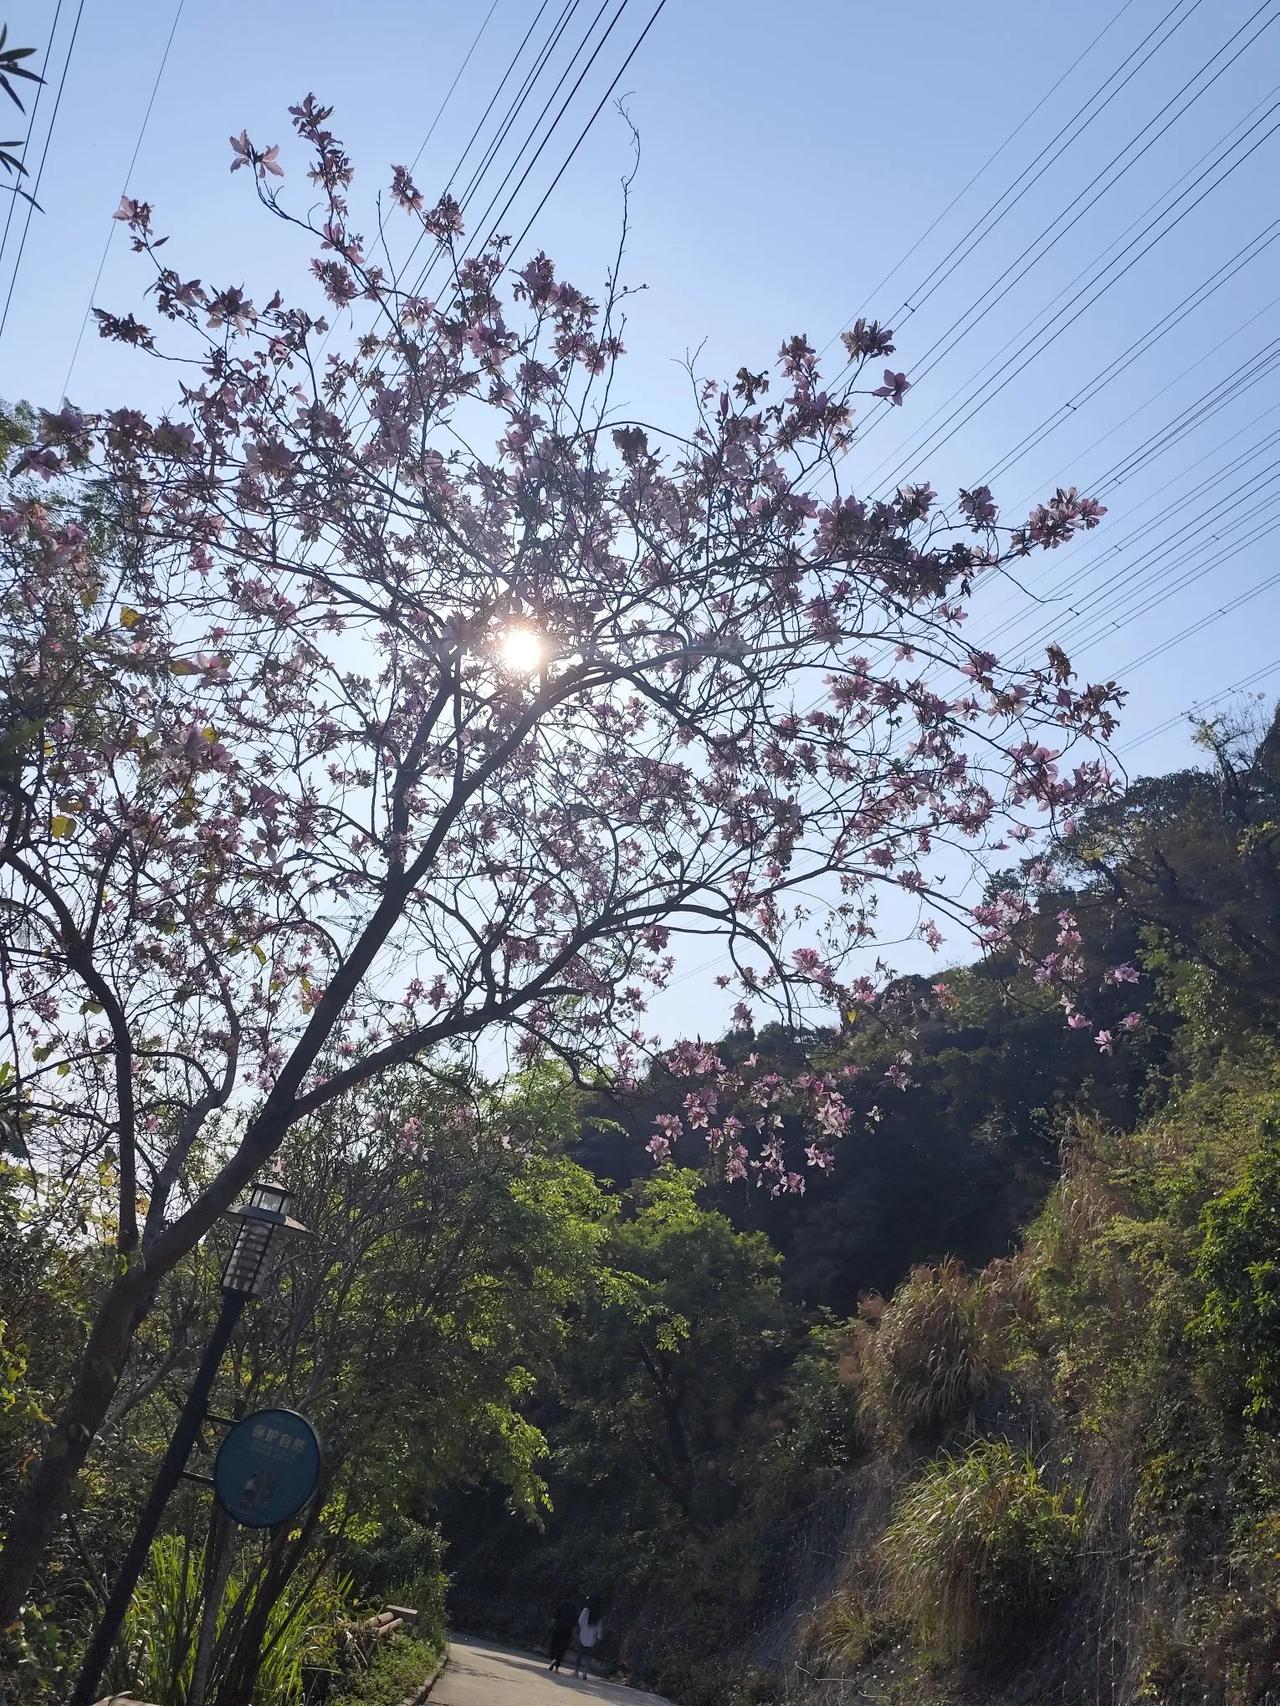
point(156, 1649)
point(980, 1551)
point(156, 1652)
point(931, 1354)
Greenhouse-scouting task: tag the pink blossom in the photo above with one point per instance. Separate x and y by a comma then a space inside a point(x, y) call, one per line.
point(867, 338)
point(403, 190)
point(895, 387)
point(978, 507)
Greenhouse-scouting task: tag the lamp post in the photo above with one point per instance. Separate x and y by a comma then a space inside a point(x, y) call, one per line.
point(244, 1276)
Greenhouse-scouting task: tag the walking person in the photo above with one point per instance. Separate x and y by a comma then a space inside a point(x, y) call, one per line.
point(590, 1628)
point(562, 1628)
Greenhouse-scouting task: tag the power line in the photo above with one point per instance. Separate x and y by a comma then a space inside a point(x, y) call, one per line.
point(1111, 431)
point(31, 125)
point(994, 635)
point(440, 111)
point(1208, 404)
point(1158, 557)
point(1189, 418)
point(989, 161)
point(44, 155)
point(550, 132)
point(908, 462)
point(1202, 704)
point(504, 124)
point(1158, 554)
point(1118, 364)
point(1201, 623)
point(1141, 345)
point(1154, 555)
point(578, 82)
point(979, 229)
point(1009, 276)
point(1121, 364)
point(1158, 567)
point(471, 141)
point(594, 116)
point(1189, 304)
point(111, 228)
point(1219, 395)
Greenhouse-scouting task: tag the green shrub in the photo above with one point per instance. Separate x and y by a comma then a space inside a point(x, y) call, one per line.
point(403, 1565)
point(931, 1355)
point(396, 1675)
point(980, 1551)
point(1239, 1269)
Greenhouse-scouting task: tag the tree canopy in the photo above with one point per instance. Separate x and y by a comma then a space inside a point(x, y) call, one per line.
point(372, 700)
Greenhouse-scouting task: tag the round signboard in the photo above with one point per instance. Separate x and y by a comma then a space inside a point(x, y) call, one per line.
point(267, 1468)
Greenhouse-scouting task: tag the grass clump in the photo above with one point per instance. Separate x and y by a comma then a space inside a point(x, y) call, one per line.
point(844, 1633)
point(981, 1551)
point(396, 1675)
point(929, 1355)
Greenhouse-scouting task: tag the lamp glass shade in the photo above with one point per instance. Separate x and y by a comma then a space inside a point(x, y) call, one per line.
point(246, 1269)
point(274, 1198)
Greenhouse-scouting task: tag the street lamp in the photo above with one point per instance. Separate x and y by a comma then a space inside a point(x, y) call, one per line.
point(244, 1276)
point(261, 1218)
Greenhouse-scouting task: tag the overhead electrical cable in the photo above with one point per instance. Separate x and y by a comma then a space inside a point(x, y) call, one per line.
point(933, 443)
point(1029, 176)
point(981, 172)
point(128, 178)
point(41, 85)
point(44, 155)
point(1015, 271)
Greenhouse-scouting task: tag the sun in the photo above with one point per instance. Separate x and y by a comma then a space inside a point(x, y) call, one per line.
point(522, 650)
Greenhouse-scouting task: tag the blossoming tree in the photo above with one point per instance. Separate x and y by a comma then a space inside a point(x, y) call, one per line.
point(409, 693)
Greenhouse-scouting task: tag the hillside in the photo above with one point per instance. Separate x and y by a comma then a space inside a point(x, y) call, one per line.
point(990, 1414)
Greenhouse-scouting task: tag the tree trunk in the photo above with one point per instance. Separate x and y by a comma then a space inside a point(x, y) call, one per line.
point(284, 1558)
point(219, 1558)
point(43, 1499)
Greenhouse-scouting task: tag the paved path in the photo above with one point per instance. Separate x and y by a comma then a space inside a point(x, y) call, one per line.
point(479, 1674)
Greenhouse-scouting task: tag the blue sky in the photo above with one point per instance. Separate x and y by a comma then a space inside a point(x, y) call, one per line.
point(791, 154)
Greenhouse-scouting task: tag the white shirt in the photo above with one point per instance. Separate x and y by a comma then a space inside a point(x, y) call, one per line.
point(588, 1632)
